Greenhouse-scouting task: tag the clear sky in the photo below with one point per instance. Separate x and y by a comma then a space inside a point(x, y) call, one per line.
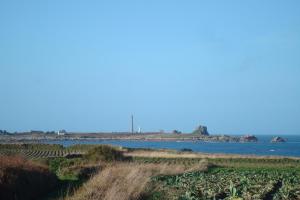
point(87, 65)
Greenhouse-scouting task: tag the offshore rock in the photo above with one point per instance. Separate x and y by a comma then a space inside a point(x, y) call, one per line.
point(248, 138)
point(277, 139)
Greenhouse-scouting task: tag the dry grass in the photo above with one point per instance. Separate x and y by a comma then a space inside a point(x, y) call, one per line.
point(126, 181)
point(176, 154)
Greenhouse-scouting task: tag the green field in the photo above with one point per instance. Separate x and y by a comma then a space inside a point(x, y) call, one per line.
point(236, 178)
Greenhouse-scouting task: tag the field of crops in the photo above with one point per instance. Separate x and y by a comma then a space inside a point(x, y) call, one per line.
point(37, 151)
point(235, 179)
point(226, 183)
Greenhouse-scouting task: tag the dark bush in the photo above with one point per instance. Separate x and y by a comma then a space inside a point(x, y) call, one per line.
point(104, 153)
point(23, 180)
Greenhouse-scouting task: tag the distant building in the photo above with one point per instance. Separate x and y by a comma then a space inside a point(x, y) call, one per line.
point(61, 132)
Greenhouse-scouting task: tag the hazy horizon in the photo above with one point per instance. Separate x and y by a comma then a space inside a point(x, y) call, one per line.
point(232, 66)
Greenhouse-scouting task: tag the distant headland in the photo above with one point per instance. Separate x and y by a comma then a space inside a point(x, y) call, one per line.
point(199, 134)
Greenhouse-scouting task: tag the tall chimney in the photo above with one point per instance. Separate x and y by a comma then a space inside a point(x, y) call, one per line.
point(132, 129)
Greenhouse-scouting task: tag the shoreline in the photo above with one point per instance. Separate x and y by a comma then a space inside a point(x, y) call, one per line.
point(149, 149)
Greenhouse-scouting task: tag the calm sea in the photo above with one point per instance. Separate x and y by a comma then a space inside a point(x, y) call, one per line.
point(263, 147)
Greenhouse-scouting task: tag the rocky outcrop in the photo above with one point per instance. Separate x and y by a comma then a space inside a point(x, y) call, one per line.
point(201, 130)
point(248, 138)
point(219, 138)
point(277, 139)
point(176, 132)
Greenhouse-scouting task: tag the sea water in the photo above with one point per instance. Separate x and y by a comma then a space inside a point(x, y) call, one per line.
point(263, 147)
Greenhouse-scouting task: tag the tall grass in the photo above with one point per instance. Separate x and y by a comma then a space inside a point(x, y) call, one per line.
point(126, 181)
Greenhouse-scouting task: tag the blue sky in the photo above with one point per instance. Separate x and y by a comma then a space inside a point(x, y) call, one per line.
point(87, 65)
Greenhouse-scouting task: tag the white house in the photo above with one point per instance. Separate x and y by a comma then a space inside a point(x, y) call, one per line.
point(61, 132)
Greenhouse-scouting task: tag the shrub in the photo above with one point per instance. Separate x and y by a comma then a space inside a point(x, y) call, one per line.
point(21, 179)
point(104, 153)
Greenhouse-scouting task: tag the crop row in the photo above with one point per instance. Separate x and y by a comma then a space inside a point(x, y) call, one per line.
point(49, 147)
point(33, 151)
point(32, 146)
point(34, 154)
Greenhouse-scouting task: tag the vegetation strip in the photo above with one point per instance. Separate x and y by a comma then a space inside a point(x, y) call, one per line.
point(107, 172)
